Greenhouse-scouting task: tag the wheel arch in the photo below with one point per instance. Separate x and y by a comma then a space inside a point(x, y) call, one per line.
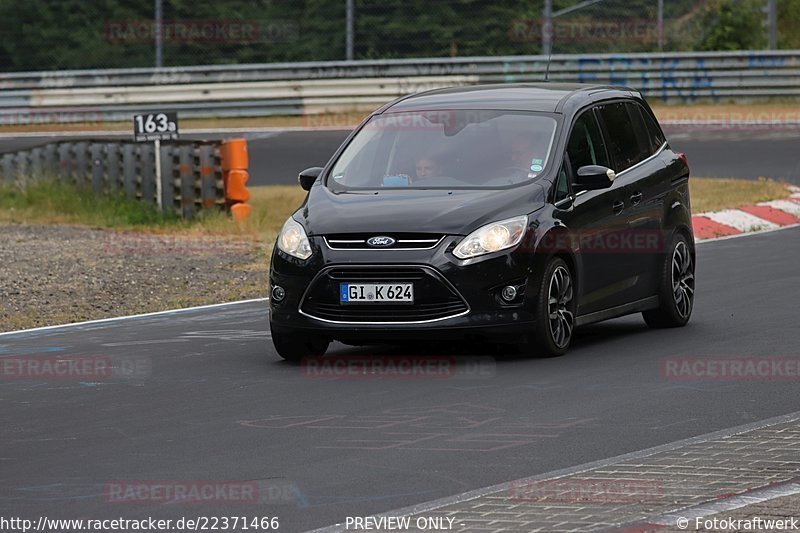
point(554, 241)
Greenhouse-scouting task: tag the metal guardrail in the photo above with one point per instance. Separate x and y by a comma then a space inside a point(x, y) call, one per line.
point(315, 87)
point(192, 173)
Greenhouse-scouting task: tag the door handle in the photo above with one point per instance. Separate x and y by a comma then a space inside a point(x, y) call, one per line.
point(618, 206)
point(636, 198)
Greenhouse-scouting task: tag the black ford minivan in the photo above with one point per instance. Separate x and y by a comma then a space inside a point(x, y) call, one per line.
point(513, 213)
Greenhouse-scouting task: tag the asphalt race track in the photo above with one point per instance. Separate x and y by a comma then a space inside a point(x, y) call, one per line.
point(207, 399)
point(276, 157)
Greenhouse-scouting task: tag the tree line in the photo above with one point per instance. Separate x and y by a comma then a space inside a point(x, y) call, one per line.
point(75, 34)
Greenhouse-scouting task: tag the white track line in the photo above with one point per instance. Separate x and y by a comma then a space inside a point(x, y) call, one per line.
point(744, 222)
point(128, 317)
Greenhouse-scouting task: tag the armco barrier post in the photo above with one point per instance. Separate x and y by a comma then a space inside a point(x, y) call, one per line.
point(129, 170)
point(50, 156)
point(81, 162)
point(65, 167)
point(186, 176)
point(208, 176)
point(167, 179)
point(21, 165)
point(98, 175)
point(37, 166)
point(112, 167)
point(234, 176)
point(147, 164)
point(8, 173)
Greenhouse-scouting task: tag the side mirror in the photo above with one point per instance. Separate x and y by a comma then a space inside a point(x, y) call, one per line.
point(308, 177)
point(593, 177)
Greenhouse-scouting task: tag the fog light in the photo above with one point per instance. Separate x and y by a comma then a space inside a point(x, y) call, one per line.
point(508, 293)
point(278, 294)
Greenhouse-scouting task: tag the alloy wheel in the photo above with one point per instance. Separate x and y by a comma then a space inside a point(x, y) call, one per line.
point(560, 296)
point(682, 279)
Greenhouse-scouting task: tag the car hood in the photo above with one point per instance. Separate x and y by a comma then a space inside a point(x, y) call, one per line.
point(454, 212)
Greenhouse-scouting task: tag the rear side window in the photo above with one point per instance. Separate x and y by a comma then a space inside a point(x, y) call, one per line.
point(585, 145)
point(657, 138)
point(628, 140)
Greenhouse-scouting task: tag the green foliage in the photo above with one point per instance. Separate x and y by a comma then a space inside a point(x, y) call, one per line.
point(67, 202)
point(788, 22)
point(734, 25)
point(76, 34)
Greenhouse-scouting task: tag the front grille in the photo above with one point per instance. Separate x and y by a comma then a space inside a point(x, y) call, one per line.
point(434, 297)
point(403, 241)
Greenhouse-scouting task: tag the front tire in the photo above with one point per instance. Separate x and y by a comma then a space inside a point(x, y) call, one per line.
point(294, 347)
point(676, 290)
point(555, 312)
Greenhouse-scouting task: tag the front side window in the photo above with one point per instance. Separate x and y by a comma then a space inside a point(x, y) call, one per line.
point(446, 149)
point(585, 145)
point(562, 185)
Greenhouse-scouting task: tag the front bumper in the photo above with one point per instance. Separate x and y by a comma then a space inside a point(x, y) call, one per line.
point(476, 282)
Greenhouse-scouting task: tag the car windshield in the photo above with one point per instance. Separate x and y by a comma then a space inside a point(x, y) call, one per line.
point(446, 149)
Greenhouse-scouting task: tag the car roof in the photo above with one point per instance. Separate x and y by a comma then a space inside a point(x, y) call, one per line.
point(548, 97)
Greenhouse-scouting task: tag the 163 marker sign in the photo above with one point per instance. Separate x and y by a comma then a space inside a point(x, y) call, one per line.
point(155, 127)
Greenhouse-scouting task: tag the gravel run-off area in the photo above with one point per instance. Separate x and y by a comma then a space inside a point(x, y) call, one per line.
point(54, 274)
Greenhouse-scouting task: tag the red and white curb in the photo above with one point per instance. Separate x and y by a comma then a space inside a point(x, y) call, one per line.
point(764, 216)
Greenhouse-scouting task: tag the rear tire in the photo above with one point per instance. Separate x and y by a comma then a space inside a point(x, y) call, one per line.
point(294, 347)
point(676, 289)
point(555, 312)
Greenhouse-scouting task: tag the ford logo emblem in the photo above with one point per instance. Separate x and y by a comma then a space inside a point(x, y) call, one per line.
point(380, 241)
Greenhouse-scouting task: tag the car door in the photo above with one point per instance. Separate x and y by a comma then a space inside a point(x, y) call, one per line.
point(592, 217)
point(646, 218)
point(638, 175)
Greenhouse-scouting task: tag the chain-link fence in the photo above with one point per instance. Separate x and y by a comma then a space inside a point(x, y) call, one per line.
point(75, 34)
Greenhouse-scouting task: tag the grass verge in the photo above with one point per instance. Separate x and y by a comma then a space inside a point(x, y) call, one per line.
point(714, 194)
point(53, 202)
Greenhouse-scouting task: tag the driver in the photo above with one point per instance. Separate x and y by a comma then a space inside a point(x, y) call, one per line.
point(428, 167)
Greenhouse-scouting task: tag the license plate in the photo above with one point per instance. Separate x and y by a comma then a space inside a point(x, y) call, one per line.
point(376, 293)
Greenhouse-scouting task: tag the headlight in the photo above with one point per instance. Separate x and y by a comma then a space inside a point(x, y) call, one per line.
point(492, 238)
point(293, 240)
